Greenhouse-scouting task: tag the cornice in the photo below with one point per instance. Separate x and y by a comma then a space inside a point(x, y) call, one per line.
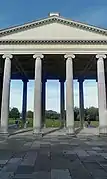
point(43, 42)
point(52, 20)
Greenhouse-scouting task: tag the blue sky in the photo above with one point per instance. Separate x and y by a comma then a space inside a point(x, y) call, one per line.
point(16, 12)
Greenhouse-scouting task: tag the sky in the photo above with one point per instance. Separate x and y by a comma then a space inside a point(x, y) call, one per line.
point(15, 12)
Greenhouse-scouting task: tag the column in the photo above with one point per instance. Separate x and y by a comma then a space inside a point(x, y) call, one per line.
point(43, 101)
point(69, 94)
point(62, 103)
point(24, 103)
point(101, 94)
point(6, 93)
point(37, 94)
point(106, 92)
point(81, 102)
point(1, 87)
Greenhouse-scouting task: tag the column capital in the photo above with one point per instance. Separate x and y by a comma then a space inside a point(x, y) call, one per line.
point(44, 80)
point(38, 56)
point(101, 56)
point(25, 80)
point(7, 56)
point(72, 56)
point(81, 80)
point(61, 80)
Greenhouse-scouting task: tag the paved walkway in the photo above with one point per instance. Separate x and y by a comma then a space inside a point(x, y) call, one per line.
point(26, 157)
point(44, 131)
point(89, 132)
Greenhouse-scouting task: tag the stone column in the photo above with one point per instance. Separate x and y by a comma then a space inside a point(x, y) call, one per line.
point(106, 91)
point(101, 94)
point(81, 102)
point(69, 94)
point(43, 101)
point(6, 93)
point(37, 94)
point(62, 102)
point(1, 87)
point(24, 103)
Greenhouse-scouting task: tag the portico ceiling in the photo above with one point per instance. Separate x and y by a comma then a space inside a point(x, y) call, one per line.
point(54, 66)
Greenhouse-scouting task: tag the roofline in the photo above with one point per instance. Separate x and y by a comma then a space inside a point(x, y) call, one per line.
point(83, 23)
point(23, 24)
point(63, 20)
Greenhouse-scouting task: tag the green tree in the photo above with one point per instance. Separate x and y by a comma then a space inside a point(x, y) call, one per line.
point(14, 113)
point(91, 114)
point(76, 113)
point(29, 114)
point(51, 114)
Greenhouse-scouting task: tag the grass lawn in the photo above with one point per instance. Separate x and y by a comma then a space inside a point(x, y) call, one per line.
point(50, 123)
point(95, 123)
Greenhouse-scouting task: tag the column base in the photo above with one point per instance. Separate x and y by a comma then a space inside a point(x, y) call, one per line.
point(61, 124)
point(44, 126)
point(70, 130)
point(102, 130)
point(4, 133)
point(37, 132)
point(82, 126)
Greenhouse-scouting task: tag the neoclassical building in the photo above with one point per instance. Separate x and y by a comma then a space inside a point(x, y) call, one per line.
point(53, 48)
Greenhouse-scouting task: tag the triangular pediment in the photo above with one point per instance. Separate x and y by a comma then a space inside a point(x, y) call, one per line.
point(54, 28)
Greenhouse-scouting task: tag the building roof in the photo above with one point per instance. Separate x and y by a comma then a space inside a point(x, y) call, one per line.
point(52, 19)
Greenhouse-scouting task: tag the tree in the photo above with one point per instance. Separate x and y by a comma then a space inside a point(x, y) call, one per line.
point(14, 113)
point(76, 113)
point(91, 114)
point(52, 114)
point(29, 114)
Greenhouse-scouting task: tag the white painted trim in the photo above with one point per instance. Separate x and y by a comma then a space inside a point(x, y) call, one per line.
point(53, 51)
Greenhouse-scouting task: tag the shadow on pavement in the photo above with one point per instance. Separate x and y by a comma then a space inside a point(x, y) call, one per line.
point(77, 131)
point(51, 131)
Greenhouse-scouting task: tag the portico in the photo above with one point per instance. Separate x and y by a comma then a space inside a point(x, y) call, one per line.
point(53, 48)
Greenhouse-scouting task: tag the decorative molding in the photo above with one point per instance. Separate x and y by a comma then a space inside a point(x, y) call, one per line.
point(42, 42)
point(69, 56)
point(50, 20)
point(38, 56)
point(80, 80)
point(101, 56)
point(7, 56)
point(62, 80)
point(17, 50)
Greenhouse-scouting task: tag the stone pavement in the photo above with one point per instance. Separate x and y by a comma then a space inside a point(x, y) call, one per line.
point(61, 157)
point(45, 131)
point(89, 131)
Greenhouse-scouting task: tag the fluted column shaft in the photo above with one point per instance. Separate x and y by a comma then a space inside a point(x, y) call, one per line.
point(43, 101)
point(24, 103)
point(101, 94)
point(81, 101)
point(62, 101)
point(6, 93)
point(37, 94)
point(69, 94)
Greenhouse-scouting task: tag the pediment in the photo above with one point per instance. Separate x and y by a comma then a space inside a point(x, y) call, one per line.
point(54, 28)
